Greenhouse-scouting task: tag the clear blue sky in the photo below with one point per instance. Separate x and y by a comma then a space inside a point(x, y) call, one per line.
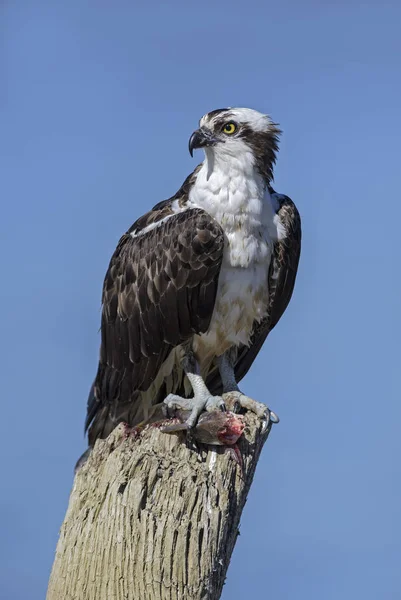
point(98, 100)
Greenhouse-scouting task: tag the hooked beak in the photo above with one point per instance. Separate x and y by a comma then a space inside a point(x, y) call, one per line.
point(201, 138)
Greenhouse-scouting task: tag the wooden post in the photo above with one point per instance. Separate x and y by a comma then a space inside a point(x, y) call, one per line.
point(154, 518)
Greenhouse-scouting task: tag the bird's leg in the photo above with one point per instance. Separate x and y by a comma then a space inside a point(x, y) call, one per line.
point(202, 399)
point(233, 395)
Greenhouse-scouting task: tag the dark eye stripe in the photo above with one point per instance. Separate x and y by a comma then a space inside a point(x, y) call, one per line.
point(219, 123)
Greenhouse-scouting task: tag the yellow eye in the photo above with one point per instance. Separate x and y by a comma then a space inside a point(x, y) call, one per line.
point(229, 128)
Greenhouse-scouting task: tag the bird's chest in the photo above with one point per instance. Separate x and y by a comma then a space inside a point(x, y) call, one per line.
point(242, 294)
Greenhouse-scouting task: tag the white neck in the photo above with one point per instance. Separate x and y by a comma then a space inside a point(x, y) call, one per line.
point(230, 189)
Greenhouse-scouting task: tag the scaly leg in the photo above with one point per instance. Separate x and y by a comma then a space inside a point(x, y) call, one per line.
point(232, 393)
point(202, 399)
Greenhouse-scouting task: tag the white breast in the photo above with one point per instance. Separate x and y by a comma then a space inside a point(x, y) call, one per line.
point(240, 203)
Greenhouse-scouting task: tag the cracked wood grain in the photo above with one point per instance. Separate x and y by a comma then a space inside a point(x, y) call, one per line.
point(153, 518)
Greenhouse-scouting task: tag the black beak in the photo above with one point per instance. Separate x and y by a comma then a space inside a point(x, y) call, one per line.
point(201, 138)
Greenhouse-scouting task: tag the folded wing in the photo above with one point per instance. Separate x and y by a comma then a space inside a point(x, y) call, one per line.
point(159, 290)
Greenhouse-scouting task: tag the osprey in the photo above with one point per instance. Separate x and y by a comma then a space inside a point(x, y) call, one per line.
point(197, 283)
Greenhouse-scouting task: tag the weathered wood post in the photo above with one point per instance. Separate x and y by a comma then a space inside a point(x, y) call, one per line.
point(154, 518)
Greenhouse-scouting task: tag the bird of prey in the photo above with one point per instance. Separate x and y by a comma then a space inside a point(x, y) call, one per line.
point(196, 284)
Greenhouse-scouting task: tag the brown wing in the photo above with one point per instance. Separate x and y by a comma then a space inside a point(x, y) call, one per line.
point(159, 290)
point(282, 274)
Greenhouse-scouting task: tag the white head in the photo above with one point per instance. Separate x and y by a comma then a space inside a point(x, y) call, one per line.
point(233, 133)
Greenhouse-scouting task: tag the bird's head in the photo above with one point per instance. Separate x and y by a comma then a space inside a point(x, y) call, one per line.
point(235, 134)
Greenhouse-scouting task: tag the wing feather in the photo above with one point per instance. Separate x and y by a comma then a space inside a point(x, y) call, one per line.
point(160, 289)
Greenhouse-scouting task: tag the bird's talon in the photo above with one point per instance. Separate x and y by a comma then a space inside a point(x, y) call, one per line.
point(236, 407)
point(214, 403)
point(238, 400)
point(273, 417)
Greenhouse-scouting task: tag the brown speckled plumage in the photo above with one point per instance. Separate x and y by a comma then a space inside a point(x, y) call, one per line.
point(159, 290)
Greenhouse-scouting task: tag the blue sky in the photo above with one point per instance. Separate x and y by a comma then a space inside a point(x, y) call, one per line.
point(98, 100)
